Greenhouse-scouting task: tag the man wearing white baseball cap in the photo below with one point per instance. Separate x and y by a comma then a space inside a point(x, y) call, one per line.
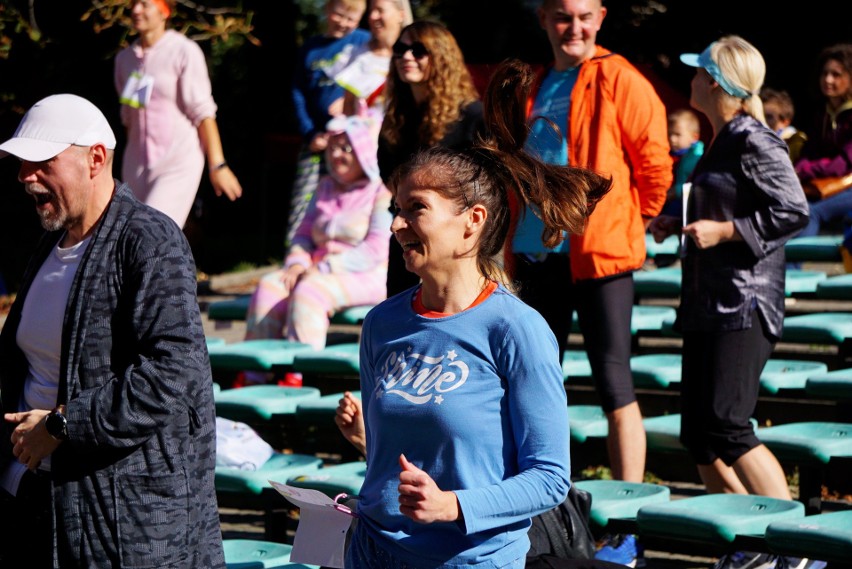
point(107, 448)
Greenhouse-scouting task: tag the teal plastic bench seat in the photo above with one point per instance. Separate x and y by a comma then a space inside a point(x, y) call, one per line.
point(255, 355)
point(835, 288)
point(231, 309)
point(811, 441)
point(656, 370)
point(827, 537)
point(214, 342)
point(280, 467)
point(779, 374)
point(814, 248)
point(650, 318)
point(617, 499)
point(818, 328)
point(576, 367)
point(587, 421)
point(346, 478)
point(644, 318)
point(340, 359)
point(354, 315)
point(715, 518)
point(663, 433)
point(255, 403)
point(669, 246)
point(237, 309)
point(835, 384)
point(799, 282)
point(664, 282)
point(332, 369)
point(259, 554)
point(320, 409)
point(317, 431)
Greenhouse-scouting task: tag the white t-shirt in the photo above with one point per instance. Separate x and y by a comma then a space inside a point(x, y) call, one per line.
point(40, 338)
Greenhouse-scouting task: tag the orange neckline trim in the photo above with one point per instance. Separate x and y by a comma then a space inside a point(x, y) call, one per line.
point(417, 303)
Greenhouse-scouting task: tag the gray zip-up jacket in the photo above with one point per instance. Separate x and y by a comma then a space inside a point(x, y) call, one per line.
point(133, 485)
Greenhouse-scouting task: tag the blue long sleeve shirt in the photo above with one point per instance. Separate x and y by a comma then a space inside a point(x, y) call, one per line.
point(476, 400)
point(313, 88)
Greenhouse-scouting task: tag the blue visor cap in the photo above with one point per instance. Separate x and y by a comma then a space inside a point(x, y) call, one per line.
point(706, 62)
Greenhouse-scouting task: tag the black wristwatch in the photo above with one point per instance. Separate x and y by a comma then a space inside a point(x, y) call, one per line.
point(56, 424)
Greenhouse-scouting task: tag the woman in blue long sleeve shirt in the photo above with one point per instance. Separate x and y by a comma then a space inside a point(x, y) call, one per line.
point(464, 420)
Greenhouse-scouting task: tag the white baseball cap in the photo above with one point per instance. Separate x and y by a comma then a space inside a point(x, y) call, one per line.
point(55, 123)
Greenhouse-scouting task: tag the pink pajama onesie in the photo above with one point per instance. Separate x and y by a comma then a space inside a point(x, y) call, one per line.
point(165, 93)
point(343, 239)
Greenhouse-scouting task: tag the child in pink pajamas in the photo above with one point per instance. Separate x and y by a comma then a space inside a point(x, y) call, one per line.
point(339, 254)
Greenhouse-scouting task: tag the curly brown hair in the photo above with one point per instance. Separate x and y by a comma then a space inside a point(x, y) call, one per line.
point(449, 84)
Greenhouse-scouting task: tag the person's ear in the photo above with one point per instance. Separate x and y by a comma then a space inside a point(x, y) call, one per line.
point(98, 159)
point(477, 214)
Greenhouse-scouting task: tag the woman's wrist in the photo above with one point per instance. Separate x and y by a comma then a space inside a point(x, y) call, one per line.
point(218, 166)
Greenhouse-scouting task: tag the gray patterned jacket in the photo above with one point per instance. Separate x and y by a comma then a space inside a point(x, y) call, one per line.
point(133, 485)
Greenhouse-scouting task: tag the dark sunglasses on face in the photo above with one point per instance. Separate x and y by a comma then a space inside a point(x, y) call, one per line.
point(418, 50)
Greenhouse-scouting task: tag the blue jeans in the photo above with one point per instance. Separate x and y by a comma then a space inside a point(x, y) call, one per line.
point(827, 210)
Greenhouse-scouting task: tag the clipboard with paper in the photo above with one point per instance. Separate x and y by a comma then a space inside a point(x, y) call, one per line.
point(323, 525)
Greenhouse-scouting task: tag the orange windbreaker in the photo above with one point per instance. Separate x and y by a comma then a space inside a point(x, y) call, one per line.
point(617, 127)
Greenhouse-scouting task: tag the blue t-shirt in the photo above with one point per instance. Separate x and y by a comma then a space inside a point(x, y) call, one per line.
point(552, 102)
point(476, 400)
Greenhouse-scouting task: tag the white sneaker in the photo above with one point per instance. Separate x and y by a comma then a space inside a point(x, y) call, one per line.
point(748, 560)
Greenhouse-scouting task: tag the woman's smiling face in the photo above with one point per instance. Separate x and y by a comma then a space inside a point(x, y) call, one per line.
point(429, 227)
point(413, 70)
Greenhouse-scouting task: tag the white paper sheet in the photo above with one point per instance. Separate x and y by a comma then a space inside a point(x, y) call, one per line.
point(687, 188)
point(321, 533)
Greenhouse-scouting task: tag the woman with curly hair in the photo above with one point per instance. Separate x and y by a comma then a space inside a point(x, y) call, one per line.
point(430, 101)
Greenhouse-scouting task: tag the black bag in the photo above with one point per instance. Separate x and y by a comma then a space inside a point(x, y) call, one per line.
point(564, 531)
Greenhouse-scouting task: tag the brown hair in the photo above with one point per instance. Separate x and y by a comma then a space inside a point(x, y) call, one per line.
point(842, 54)
point(497, 169)
point(449, 84)
point(780, 98)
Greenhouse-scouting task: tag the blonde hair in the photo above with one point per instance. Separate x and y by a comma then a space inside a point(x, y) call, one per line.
point(354, 5)
point(449, 85)
point(743, 66)
point(689, 118)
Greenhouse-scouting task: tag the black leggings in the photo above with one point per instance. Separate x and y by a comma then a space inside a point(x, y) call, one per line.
point(719, 390)
point(604, 309)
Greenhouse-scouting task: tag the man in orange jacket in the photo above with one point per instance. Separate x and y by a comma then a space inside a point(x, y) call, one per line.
point(611, 120)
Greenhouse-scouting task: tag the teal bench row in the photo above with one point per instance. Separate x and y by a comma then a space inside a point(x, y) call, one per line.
point(259, 554)
point(816, 248)
point(300, 419)
point(237, 308)
point(664, 371)
point(813, 446)
point(665, 282)
point(723, 522)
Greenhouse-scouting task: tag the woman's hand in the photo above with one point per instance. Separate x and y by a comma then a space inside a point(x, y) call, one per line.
point(225, 183)
point(707, 233)
point(350, 420)
point(291, 276)
point(420, 498)
point(663, 226)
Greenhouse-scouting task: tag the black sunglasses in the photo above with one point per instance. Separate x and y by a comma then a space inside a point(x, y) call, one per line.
point(418, 50)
